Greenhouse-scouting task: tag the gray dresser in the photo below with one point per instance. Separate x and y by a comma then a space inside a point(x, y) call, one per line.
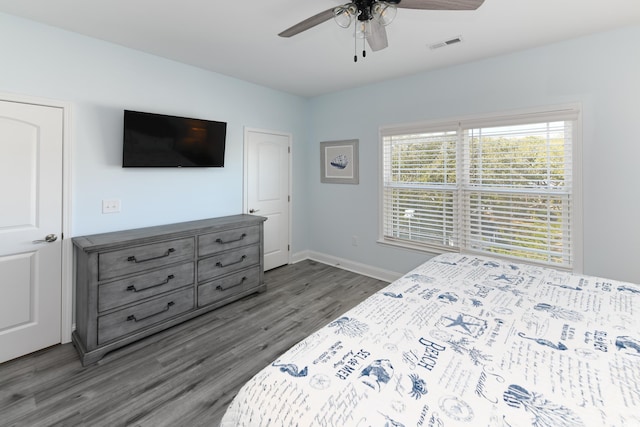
point(133, 283)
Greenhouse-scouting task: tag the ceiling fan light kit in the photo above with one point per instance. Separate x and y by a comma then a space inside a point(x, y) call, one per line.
point(384, 12)
point(343, 15)
point(372, 16)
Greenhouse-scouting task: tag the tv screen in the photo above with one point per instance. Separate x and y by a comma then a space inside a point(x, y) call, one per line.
point(157, 140)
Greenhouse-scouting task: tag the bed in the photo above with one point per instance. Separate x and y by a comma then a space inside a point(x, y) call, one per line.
point(463, 340)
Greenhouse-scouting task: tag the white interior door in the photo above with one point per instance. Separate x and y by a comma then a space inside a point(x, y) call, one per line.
point(31, 142)
point(267, 190)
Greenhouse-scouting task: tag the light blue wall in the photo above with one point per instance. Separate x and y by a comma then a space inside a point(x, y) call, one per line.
point(100, 80)
point(601, 72)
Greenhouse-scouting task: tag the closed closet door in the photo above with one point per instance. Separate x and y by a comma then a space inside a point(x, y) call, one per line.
point(267, 190)
point(31, 144)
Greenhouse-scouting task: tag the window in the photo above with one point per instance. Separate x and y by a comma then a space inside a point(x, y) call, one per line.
point(502, 185)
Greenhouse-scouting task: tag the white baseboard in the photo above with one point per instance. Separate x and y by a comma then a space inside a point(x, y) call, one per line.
point(345, 264)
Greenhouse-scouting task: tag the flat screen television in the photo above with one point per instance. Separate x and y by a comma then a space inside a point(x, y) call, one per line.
point(158, 140)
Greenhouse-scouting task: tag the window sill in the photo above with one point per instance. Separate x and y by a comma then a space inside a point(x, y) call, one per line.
point(413, 247)
point(437, 251)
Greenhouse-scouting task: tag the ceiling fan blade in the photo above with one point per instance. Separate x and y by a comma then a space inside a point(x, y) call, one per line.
point(308, 23)
point(377, 37)
point(440, 4)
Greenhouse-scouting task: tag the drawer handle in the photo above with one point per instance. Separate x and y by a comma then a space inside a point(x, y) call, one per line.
point(166, 254)
point(222, 288)
point(132, 317)
point(219, 264)
point(222, 242)
point(132, 288)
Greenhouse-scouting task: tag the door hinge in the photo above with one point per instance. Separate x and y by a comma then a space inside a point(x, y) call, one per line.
point(288, 248)
point(288, 198)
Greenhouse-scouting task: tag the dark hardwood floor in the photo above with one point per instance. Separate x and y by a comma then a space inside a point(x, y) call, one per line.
point(185, 376)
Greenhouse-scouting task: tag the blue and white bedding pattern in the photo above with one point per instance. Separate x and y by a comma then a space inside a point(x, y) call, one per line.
point(463, 340)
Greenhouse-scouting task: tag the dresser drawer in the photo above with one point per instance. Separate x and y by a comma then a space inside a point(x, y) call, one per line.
point(228, 239)
point(140, 258)
point(136, 288)
point(227, 262)
point(132, 319)
point(228, 286)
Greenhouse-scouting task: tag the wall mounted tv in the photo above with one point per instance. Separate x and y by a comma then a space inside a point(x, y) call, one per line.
point(157, 140)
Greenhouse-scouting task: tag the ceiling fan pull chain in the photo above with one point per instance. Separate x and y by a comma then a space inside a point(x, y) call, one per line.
point(364, 46)
point(355, 42)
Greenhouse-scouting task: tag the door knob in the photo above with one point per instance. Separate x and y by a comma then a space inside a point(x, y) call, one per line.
point(49, 238)
point(254, 210)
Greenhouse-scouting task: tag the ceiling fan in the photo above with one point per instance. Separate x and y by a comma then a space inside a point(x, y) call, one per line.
point(371, 16)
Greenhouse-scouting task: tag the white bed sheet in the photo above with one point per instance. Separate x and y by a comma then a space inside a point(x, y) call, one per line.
point(463, 340)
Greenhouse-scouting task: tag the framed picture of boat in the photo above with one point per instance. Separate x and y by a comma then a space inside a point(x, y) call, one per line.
point(339, 162)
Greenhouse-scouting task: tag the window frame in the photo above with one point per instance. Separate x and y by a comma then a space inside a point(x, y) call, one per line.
point(565, 112)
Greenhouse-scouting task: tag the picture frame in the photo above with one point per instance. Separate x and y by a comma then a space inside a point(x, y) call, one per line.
point(339, 162)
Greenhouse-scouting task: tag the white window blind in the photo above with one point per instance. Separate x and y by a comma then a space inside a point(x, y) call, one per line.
point(420, 187)
point(500, 185)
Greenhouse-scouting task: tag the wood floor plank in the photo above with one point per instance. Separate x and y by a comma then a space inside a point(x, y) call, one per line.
point(186, 375)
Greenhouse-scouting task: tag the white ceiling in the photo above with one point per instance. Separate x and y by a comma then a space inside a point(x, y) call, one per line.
point(239, 37)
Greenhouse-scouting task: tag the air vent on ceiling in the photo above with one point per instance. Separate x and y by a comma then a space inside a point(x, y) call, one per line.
point(449, 42)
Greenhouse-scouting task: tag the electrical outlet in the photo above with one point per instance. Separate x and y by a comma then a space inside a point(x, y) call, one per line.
point(110, 206)
point(354, 240)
